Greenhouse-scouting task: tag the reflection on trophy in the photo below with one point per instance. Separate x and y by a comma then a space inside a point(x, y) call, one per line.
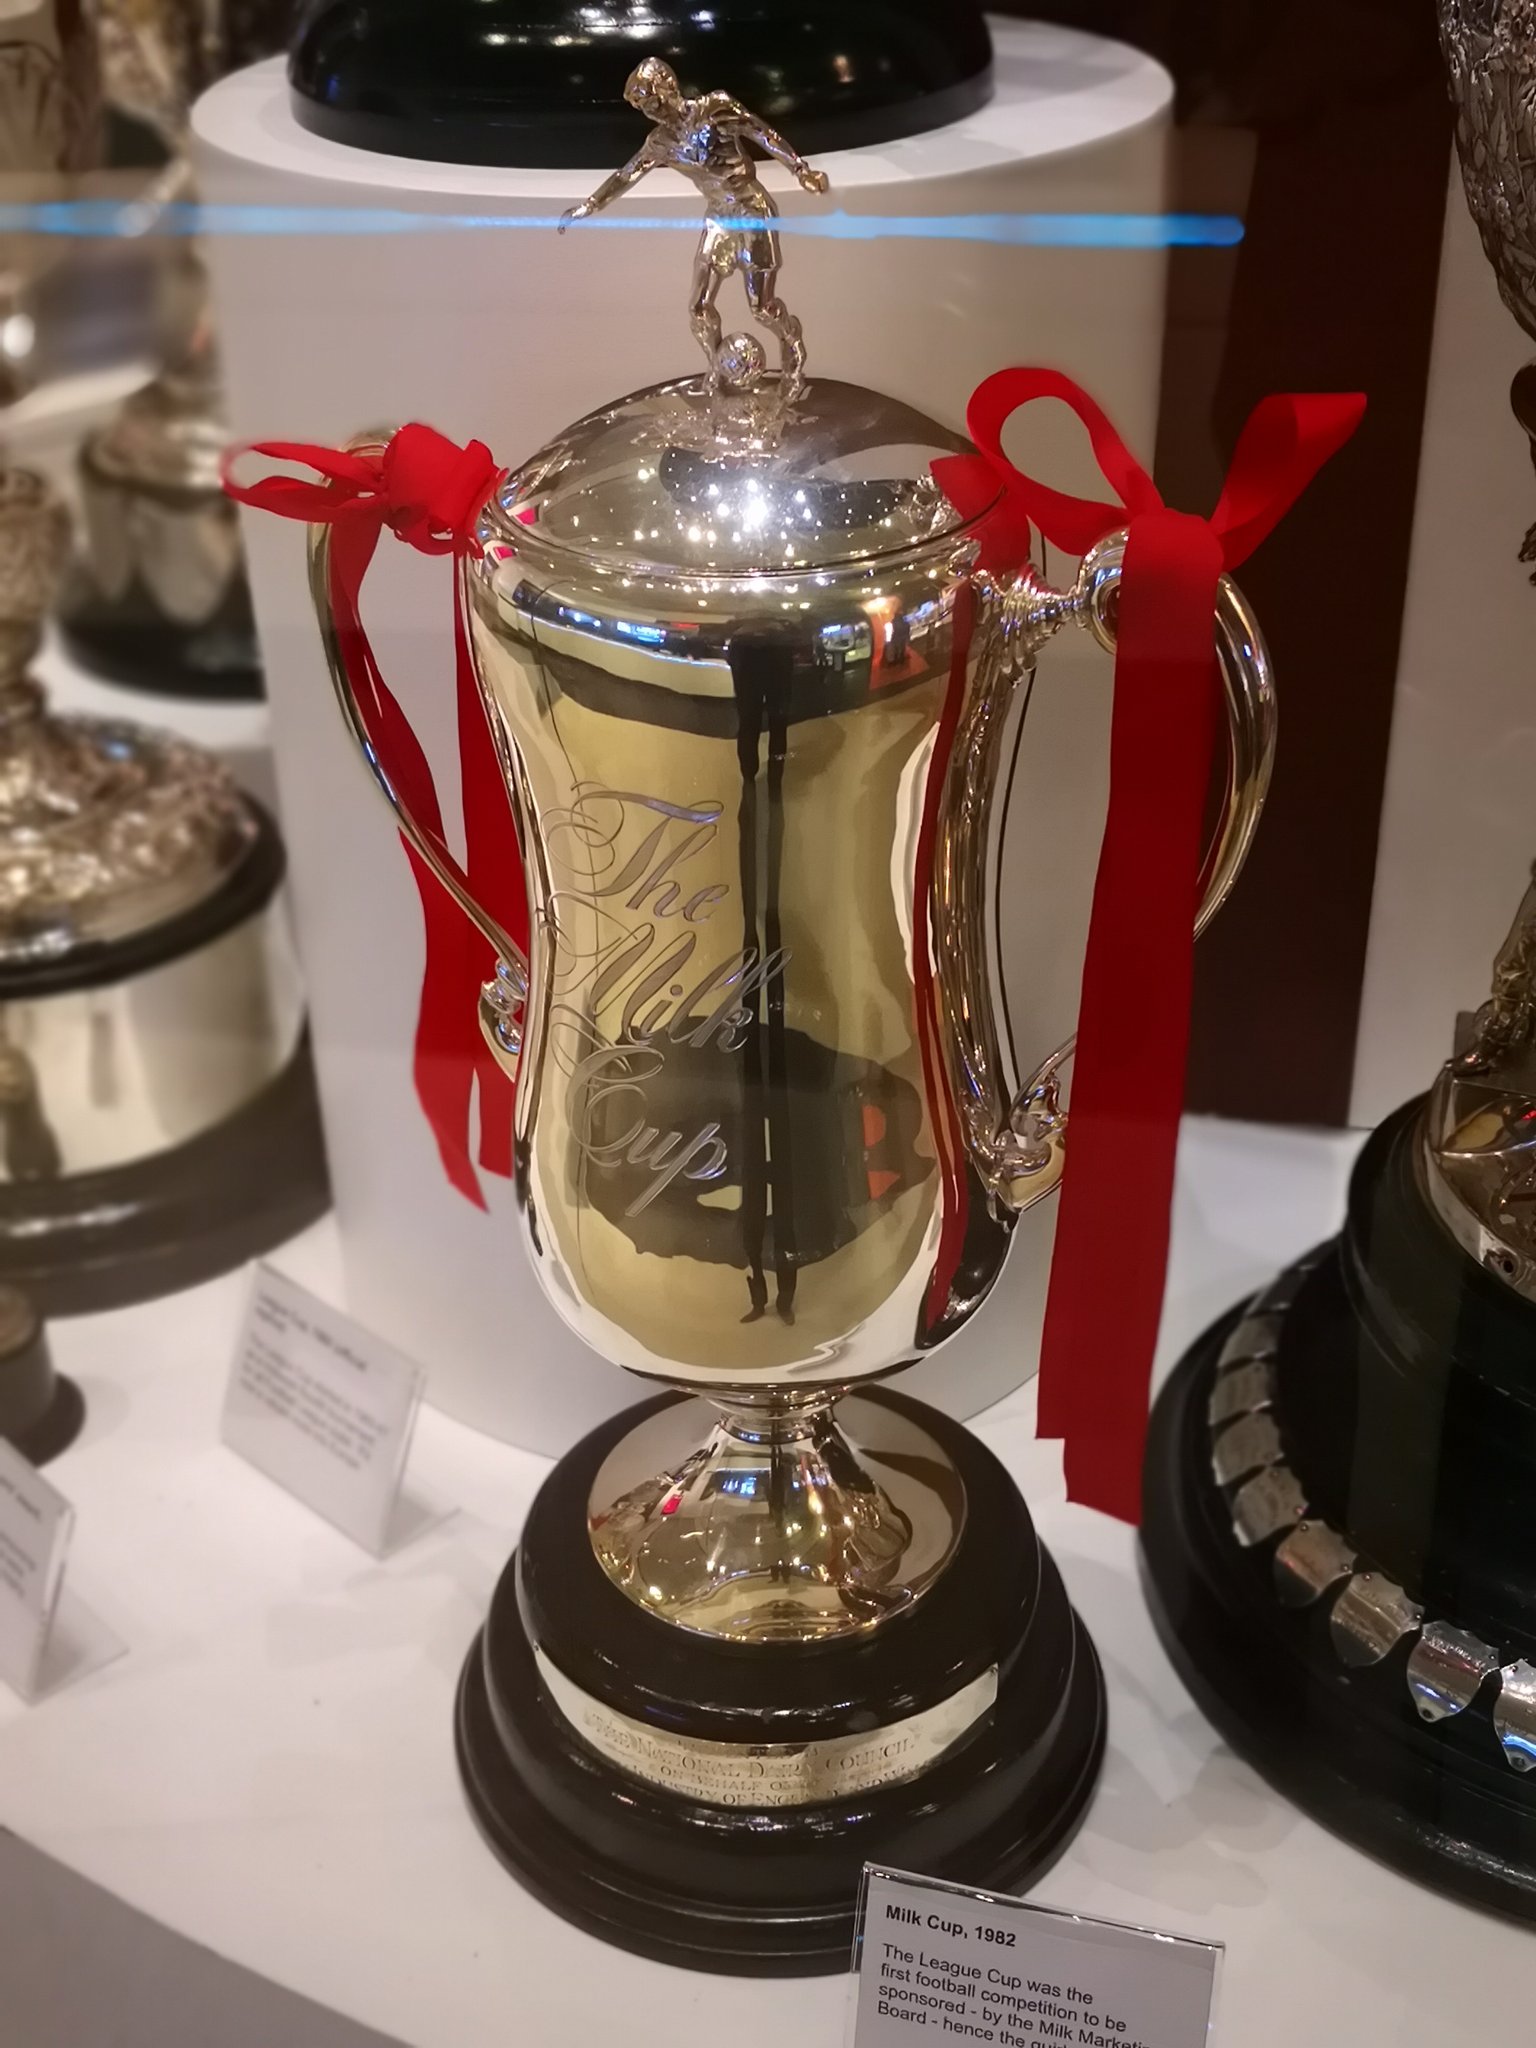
point(1337, 1537)
point(157, 1113)
point(157, 597)
point(747, 685)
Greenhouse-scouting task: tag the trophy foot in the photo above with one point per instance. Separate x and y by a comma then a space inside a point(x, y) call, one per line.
point(776, 1527)
point(712, 1802)
point(1356, 1612)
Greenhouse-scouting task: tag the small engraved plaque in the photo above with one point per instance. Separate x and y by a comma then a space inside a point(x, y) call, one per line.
point(1256, 1336)
point(1265, 1504)
point(1370, 1618)
point(1240, 1392)
point(773, 1773)
point(1310, 1560)
point(1514, 1714)
point(1245, 1446)
point(1446, 1670)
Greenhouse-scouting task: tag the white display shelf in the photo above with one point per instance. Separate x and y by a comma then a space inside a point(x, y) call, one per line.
point(269, 1769)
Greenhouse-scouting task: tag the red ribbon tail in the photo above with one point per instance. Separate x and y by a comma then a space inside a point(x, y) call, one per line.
point(448, 1044)
point(1106, 1288)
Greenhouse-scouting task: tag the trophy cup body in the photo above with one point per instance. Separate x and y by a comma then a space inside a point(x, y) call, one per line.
point(748, 683)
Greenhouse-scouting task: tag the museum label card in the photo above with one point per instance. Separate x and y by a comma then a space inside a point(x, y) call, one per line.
point(943, 1963)
point(322, 1406)
point(36, 1523)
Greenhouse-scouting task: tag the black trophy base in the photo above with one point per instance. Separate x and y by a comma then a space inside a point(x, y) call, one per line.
point(1436, 1801)
point(771, 1890)
point(129, 640)
point(92, 1241)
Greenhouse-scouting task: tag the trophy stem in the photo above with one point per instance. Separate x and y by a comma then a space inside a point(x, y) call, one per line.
point(759, 1516)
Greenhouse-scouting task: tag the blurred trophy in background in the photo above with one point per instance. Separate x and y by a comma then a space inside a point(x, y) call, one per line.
point(50, 130)
point(157, 1113)
point(1338, 1542)
point(157, 597)
point(1490, 60)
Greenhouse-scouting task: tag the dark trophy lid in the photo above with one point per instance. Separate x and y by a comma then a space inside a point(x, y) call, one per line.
point(541, 82)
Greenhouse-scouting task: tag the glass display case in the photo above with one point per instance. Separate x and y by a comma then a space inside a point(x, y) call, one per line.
point(767, 1021)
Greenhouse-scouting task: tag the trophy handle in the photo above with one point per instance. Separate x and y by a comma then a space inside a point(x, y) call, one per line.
point(1022, 1155)
point(501, 998)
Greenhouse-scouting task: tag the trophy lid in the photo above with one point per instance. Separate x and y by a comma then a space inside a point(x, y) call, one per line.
point(675, 482)
point(107, 830)
point(742, 471)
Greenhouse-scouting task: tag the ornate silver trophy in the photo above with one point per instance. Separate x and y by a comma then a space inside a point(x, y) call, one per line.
point(50, 129)
point(747, 683)
point(158, 596)
point(157, 1116)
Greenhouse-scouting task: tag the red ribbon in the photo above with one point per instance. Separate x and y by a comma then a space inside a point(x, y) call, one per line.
point(1107, 1275)
point(428, 491)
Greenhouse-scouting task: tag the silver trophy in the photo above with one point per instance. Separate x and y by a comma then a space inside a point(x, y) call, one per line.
point(157, 1114)
point(747, 680)
point(158, 596)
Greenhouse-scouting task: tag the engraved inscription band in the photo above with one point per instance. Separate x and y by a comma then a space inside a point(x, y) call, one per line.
point(771, 1773)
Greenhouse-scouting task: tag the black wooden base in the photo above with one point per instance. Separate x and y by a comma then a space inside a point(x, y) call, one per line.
point(91, 1241)
point(1436, 1801)
point(772, 1890)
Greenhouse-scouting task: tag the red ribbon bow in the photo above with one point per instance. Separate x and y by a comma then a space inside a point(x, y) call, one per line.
point(428, 491)
point(1107, 1274)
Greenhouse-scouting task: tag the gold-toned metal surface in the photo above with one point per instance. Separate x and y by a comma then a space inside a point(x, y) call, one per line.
point(775, 1523)
point(709, 141)
point(748, 685)
point(771, 1774)
point(1478, 1155)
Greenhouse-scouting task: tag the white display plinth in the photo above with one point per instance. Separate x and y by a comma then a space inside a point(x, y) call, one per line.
point(269, 1770)
point(508, 335)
